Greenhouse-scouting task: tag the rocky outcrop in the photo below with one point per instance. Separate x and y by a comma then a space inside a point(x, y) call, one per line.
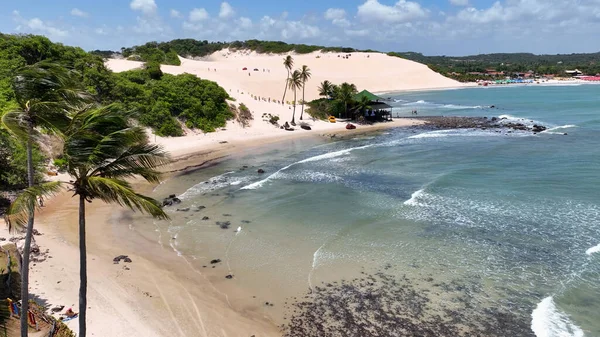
point(10, 272)
point(451, 122)
point(171, 200)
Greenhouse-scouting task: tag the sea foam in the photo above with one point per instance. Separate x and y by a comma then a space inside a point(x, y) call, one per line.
point(323, 156)
point(414, 197)
point(595, 249)
point(548, 321)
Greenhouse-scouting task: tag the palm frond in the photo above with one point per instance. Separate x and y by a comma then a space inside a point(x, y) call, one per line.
point(140, 160)
point(119, 191)
point(16, 124)
point(27, 202)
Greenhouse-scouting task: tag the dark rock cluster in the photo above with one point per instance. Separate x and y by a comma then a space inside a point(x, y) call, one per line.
point(382, 305)
point(125, 258)
point(452, 122)
point(171, 200)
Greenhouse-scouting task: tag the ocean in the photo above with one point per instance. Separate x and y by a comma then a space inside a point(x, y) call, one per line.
point(410, 231)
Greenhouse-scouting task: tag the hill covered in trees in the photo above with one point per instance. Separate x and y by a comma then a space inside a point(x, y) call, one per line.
point(164, 52)
point(463, 68)
point(161, 101)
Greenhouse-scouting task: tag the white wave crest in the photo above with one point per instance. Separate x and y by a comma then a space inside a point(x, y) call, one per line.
point(211, 184)
point(328, 155)
point(454, 106)
point(414, 197)
point(455, 133)
point(595, 249)
point(548, 321)
point(568, 126)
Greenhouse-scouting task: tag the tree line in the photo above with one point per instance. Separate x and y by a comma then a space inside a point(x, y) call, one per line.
point(457, 67)
point(465, 68)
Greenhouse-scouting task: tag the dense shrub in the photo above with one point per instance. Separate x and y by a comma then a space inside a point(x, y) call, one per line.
point(244, 115)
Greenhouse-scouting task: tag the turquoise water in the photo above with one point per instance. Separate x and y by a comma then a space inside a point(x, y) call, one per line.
point(513, 219)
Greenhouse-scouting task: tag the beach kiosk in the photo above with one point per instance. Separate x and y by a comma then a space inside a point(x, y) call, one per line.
point(378, 110)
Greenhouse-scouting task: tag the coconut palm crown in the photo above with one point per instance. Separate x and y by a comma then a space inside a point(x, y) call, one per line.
point(101, 151)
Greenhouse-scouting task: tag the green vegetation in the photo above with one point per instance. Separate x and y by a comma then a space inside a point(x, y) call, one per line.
point(152, 52)
point(243, 114)
point(339, 101)
point(161, 104)
point(166, 52)
point(462, 68)
point(487, 66)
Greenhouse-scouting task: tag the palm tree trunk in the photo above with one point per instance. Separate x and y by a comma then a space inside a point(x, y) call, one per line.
point(27, 246)
point(294, 113)
point(286, 86)
point(82, 268)
point(302, 111)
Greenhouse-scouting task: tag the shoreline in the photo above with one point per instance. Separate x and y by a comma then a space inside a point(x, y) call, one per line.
point(147, 297)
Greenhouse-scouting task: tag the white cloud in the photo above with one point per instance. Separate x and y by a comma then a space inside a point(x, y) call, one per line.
point(175, 14)
point(402, 11)
point(226, 11)
point(244, 23)
point(148, 26)
point(36, 25)
point(100, 31)
point(147, 7)
point(335, 13)
point(337, 16)
point(462, 3)
point(79, 13)
point(198, 14)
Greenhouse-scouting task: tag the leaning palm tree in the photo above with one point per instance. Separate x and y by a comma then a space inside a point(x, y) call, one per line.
point(288, 62)
point(295, 83)
point(325, 89)
point(304, 76)
point(44, 93)
point(101, 150)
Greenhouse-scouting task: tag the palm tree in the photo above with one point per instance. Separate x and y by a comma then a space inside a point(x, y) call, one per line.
point(304, 76)
point(101, 150)
point(288, 62)
point(346, 94)
point(44, 92)
point(363, 104)
point(295, 83)
point(325, 89)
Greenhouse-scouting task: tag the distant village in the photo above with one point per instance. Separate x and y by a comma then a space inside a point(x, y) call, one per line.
point(502, 77)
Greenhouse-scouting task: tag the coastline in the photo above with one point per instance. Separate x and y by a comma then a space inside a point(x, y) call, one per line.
point(156, 294)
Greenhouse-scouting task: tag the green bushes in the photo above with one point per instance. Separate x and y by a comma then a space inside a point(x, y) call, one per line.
point(244, 115)
point(163, 103)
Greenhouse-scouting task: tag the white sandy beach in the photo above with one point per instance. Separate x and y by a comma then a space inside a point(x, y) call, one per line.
point(150, 298)
point(375, 72)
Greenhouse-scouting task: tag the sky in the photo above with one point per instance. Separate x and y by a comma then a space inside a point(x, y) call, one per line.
point(431, 27)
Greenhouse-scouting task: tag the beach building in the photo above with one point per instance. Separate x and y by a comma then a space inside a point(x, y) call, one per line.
point(575, 72)
point(378, 110)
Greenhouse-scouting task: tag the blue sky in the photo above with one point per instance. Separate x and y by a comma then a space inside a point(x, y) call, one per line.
point(433, 27)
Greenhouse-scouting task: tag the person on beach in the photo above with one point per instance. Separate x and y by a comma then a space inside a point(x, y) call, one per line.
point(41, 201)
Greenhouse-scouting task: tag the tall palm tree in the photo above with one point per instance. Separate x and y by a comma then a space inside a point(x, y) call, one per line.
point(362, 105)
point(44, 92)
point(101, 150)
point(304, 76)
point(325, 89)
point(346, 94)
point(288, 62)
point(295, 83)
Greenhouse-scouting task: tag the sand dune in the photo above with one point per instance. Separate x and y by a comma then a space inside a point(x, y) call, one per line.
point(375, 72)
